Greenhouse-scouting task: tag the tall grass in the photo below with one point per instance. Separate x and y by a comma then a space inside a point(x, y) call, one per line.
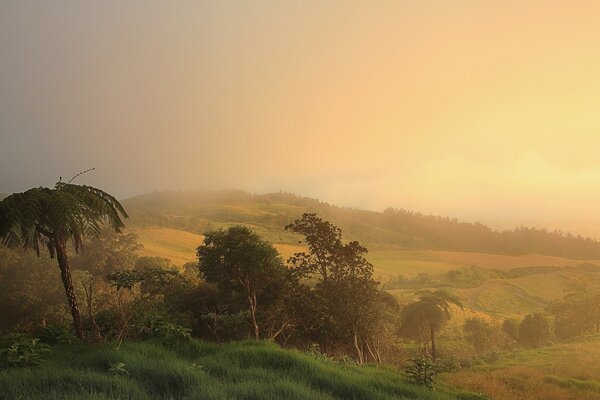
point(200, 370)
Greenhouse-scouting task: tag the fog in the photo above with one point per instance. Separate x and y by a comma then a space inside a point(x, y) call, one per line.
point(478, 110)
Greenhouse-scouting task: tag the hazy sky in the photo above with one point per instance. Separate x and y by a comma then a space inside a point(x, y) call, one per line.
point(476, 109)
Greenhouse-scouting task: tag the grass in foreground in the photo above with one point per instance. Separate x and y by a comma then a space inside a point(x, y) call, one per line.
point(200, 370)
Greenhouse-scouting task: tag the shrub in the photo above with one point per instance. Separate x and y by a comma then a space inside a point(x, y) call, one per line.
point(168, 331)
point(57, 335)
point(422, 372)
point(448, 365)
point(535, 330)
point(21, 351)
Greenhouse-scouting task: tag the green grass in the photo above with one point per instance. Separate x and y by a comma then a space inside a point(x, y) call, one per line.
point(201, 370)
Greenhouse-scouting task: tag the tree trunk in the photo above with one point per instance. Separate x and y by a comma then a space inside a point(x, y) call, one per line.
point(432, 332)
point(359, 352)
point(65, 273)
point(252, 301)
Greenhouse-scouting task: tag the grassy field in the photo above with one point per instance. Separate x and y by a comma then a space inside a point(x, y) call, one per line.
point(561, 372)
point(200, 370)
point(180, 246)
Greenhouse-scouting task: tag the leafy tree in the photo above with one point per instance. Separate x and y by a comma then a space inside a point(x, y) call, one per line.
point(478, 332)
point(347, 298)
point(535, 330)
point(577, 313)
point(44, 217)
point(511, 328)
point(241, 264)
point(423, 319)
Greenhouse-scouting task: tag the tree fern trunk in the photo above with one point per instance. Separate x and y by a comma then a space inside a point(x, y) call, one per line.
point(65, 274)
point(432, 332)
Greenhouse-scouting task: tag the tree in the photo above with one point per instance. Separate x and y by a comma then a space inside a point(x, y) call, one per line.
point(511, 328)
point(423, 319)
point(240, 263)
point(535, 330)
point(51, 218)
point(578, 313)
point(348, 300)
point(477, 332)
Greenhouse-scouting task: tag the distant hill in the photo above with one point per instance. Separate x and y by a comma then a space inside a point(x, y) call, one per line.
point(268, 214)
point(3, 195)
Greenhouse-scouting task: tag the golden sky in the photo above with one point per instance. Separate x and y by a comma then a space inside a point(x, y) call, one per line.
point(482, 110)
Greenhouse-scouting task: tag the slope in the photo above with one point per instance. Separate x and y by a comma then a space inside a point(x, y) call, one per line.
point(200, 370)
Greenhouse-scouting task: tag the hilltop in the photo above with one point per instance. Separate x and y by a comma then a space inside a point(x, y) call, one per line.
point(268, 214)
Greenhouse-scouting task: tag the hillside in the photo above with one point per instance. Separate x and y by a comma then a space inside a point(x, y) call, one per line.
point(268, 214)
point(170, 225)
point(200, 370)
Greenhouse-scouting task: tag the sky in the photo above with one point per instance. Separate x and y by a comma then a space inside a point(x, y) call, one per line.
point(481, 110)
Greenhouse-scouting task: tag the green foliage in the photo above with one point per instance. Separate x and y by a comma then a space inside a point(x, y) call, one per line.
point(422, 319)
point(57, 335)
point(346, 304)
point(448, 365)
point(43, 216)
point(478, 332)
point(248, 272)
point(53, 217)
point(422, 372)
point(167, 331)
point(118, 369)
point(535, 330)
point(577, 314)
point(21, 351)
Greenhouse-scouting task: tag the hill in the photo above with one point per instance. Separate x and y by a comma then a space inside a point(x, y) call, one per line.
point(170, 224)
point(200, 370)
point(268, 214)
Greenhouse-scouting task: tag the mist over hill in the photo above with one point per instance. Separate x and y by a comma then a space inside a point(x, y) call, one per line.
point(268, 214)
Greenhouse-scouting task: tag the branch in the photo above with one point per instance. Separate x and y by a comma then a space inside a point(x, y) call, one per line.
point(79, 174)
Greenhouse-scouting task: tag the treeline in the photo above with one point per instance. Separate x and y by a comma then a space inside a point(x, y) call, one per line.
point(451, 234)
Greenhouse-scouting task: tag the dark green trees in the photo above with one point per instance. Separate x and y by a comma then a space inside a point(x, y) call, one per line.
point(245, 268)
point(51, 218)
point(535, 330)
point(346, 300)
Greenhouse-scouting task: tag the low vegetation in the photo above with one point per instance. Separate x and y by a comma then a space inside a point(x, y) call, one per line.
point(201, 370)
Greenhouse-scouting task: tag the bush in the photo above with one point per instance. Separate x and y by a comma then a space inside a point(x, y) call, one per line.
point(57, 335)
point(422, 372)
point(21, 351)
point(448, 365)
point(168, 331)
point(535, 330)
point(491, 356)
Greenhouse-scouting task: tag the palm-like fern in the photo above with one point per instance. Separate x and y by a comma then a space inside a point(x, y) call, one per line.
point(44, 217)
point(432, 311)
